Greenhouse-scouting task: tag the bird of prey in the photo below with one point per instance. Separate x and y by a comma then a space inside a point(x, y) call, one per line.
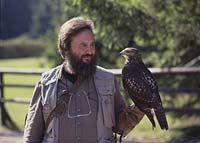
point(142, 87)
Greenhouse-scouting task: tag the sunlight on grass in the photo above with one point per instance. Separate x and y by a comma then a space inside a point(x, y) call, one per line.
point(11, 92)
point(33, 62)
point(21, 79)
point(144, 131)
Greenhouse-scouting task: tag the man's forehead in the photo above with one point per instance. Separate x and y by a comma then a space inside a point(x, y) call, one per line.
point(85, 35)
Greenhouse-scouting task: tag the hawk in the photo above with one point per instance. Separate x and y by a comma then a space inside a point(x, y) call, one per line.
point(142, 87)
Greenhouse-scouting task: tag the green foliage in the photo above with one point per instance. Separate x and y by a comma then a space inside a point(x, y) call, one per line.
point(22, 46)
point(165, 31)
point(46, 16)
point(178, 30)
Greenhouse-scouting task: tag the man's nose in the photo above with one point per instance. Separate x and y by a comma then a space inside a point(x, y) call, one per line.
point(90, 50)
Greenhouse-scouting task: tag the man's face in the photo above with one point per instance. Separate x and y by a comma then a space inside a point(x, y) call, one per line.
point(83, 46)
point(82, 54)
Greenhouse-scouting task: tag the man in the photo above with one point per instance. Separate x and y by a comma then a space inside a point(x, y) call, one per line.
point(78, 101)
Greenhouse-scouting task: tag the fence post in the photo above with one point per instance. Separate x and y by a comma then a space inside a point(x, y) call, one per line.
point(5, 118)
point(3, 122)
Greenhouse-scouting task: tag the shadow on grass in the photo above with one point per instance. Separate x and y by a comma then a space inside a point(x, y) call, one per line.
point(186, 135)
point(7, 121)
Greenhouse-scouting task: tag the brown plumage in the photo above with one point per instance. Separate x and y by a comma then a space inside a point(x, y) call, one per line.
point(142, 88)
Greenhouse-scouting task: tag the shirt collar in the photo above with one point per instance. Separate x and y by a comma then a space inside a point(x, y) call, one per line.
point(60, 74)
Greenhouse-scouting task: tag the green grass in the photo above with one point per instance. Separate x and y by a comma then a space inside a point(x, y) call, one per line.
point(144, 131)
point(33, 62)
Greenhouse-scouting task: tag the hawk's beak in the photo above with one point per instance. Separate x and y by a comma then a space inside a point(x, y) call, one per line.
point(121, 53)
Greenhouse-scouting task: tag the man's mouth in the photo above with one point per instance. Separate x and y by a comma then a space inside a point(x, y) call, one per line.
point(87, 59)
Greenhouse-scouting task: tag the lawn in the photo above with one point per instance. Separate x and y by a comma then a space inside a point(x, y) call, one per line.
point(142, 132)
point(33, 62)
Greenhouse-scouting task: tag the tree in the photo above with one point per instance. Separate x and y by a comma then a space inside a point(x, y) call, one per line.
point(178, 29)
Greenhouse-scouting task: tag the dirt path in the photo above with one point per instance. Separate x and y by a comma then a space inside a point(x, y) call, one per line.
point(9, 136)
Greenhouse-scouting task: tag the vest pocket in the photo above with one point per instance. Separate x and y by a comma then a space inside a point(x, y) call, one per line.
point(107, 103)
point(107, 111)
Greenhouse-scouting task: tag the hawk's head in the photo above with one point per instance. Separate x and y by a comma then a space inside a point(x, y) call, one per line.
point(130, 53)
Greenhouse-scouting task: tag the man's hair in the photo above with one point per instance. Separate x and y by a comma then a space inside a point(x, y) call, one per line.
point(69, 29)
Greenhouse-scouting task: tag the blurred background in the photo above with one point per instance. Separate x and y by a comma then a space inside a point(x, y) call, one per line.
point(167, 33)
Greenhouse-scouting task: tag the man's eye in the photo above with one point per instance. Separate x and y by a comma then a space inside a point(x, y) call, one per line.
point(83, 45)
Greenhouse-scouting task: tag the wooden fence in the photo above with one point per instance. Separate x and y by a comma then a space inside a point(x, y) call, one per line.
point(156, 71)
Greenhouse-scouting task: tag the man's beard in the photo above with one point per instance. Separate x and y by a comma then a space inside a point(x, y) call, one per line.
point(73, 63)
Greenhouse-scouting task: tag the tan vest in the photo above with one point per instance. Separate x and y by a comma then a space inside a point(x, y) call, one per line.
point(105, 87)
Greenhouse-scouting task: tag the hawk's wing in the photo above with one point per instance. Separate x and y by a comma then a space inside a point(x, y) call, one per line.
point(139, 83)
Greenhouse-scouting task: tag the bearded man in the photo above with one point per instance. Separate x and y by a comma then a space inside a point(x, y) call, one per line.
point(78, 101)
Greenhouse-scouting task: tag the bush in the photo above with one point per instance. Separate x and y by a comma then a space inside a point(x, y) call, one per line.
point(22, 46)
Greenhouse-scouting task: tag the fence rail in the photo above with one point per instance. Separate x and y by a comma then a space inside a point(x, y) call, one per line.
point(156, 71)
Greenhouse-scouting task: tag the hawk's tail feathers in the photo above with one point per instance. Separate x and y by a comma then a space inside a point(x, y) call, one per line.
point(162, 120)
